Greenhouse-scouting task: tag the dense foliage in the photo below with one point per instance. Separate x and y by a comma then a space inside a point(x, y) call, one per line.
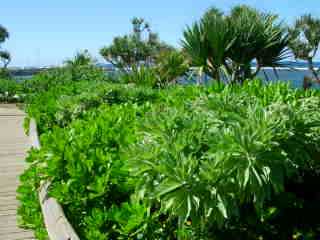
point(187, 162)
point(10, 90)
point(62, 77)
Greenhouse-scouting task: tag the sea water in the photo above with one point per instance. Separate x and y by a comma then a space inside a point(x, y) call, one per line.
point(292, 76)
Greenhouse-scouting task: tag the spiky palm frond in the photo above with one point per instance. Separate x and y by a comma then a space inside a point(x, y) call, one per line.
point(208, 42)
point(276, 48)
point(194, 44)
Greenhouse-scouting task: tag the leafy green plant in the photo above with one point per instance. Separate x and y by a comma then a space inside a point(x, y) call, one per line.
point(141, 76)
point(62, 77)
point(30, 209)
point(67, 103)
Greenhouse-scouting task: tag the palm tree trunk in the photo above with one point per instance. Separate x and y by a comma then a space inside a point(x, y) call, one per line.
point(247, 74)
point(217, 76)
point(255, 73)
point(314, 72)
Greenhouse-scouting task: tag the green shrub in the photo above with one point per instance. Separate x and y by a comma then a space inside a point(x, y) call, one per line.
point(27, 193)
point(66, 103)
point(141, 76)
point(222, 162)
point(62, 77)
point(91, 179)
point(10, 91)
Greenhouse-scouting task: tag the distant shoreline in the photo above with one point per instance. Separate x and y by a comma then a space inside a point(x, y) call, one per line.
point(21, 72)
point(289, 68)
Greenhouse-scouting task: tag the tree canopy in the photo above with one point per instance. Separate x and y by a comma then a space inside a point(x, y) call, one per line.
point(5, 56)
point(4, 34)
point(305, 40)
point(81, 58)
point(137, 48)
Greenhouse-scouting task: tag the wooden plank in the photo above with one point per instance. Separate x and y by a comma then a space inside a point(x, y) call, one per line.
point(8, 220)
point(10, 183)
point(10, 110)
point(8, 212)
point(13, 147)
point(16, 235)
point(16, 169)
point(8, 198)
point(12, 202)
point(10, 206)
point(12, 229)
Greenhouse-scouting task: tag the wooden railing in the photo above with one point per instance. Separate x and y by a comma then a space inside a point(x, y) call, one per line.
point(56, 223)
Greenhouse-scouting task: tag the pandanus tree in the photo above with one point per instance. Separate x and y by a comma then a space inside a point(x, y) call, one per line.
point(82, 58)
point(305, 41)
point(169, 66)
point(135, 49)
point(232, 42)
point(259, 38)
point(208, 42)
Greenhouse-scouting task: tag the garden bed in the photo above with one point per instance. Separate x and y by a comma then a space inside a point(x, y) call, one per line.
point(186, 162)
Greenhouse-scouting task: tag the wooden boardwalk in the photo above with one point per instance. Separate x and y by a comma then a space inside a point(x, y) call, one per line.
point(13, 147)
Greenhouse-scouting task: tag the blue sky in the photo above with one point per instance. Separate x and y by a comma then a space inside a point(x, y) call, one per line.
point(48, 32)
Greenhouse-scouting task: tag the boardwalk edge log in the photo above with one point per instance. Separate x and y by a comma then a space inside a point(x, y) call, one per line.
point(57, 225)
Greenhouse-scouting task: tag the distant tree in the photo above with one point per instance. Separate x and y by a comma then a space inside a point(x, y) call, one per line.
point(4, 34)
point(305, 41)
point(170, 65)
point(80, 59)
point(4, 55)
point(5, 58)
point(138, 48)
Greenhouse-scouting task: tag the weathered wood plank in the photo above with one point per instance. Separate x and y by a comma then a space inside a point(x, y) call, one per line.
point(13, 147)
point(16, 235)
